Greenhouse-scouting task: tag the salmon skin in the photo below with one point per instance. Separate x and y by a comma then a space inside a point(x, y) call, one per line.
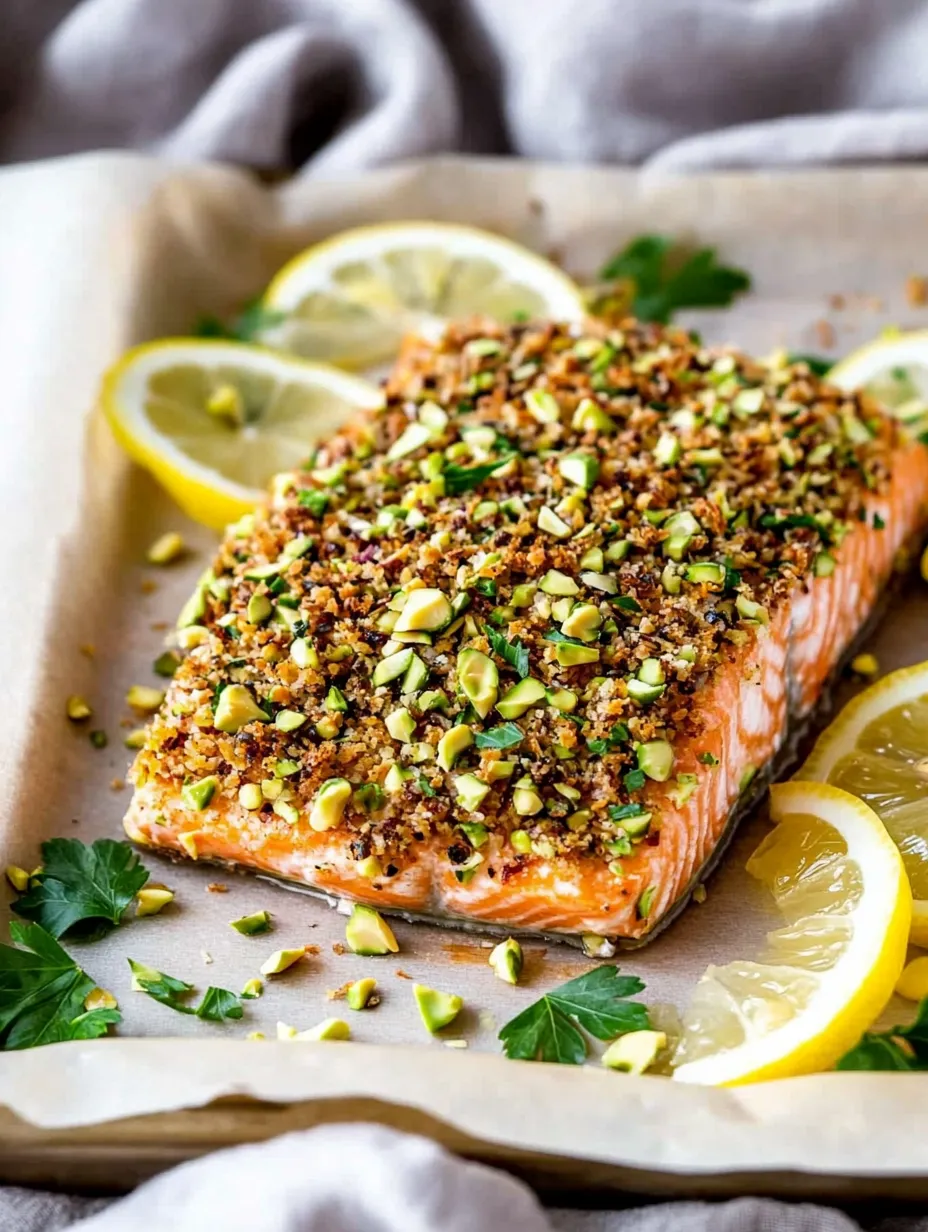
point(516, 650)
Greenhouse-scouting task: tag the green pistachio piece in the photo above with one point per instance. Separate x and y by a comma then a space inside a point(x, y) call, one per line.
point(476, 833)
point(522, 595)
point(289, 720)
point(593, 559)
point(392, 666)
point(259, 609)
point(562, 699)
point(470, 791)
point(749, 610)
point(359, 994)
point(667, 451)
point(281, 960)
point(521, 842)
point(368, 933)
point(634, 1052)
point(329, 804)
point(328, 1029)
point(235, 708)
point(142, 697)
point(569, 655)
point(583, 622)
point(452, 745)
point(506, 960)
point(549, 521)
point(542, 406)
point(705, 572)
point(478, 679)
point(432, 699)
point(556, 583)
point(250, 796)
point(525, 798)
point(655, 758)
point(412, 438)
point(198, 795)
point(589, 417)
point(252, 925)
point(335, 700)
point(303, 653)
point(437, 1009)
point(500, 770)
point(396, 778)
point(401, 725)
point(579, 468)
point(600, 581)
point(528, 692)
point(424, 610)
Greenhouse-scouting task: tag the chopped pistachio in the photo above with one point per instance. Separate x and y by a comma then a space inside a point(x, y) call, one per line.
point(437, 1009)
point(286, 1032)
point(655, 758)
point(521, 842)
point(151, 899)
point(866, 665)
point(556, 583)
point(303, 653)
point(100, 999)
point(668, 450)
point(289, 720)
point(583, 622)
point(144, 698)
point(401, 725)
point(192, 636)
point(569, 655)
point(259, 609)
point(645, 902)
point(188, 841)
point(432, 699)
point(252, 925)
point(579, 468)
point(99, 739)
point(18, 878)
point(549, 521)
point(506, 960)
point(521, 697)
point(194, 609)
point(236, 707)
point(589, 417)
point(392, 666)
point(281, 960)
point(470, 791)
point(396, 778)
point(499, 770)
point(562, 699)
point(328, 1029)
point(561, 608)
point(523, 594)
point(634, 1052)
point(452, 745)
point(600, 581)
point(329, 804)
point(368, 933)
point(335, 700)
point(252, 988)
point(250, 796)
point(167, 548)
point(824, 565)
point(478, 679)
point(198, 795)
point(358, 995)
point(370, 868)
point(593, 559)
point(412, 438)
point(525, 798)
point(425, 609)
point(749, 610)
point(542, 406)
point(77, 709)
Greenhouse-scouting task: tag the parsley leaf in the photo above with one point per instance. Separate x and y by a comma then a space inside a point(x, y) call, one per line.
point(626, 603)
point(91, 886)
point(708, 759)
point(217, 1005)
point(878, 522)
point(246, 327)
point(619, 812)
point(555, 635)
point(634, 780)
point(618, 735)
point(312, 499)
point(514, 653)
point(466, 478)
point(42, 992)
point(548, 1029)
point(666, 278)
point(502, 737)
point(425, 786)
point(904, 1048)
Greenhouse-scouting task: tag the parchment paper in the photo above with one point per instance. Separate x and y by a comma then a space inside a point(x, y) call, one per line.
point(99, 252)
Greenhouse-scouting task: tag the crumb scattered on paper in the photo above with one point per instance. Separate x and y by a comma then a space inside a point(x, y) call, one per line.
point(401, 974)
point(117, 784)
point(825, 332)
point(916, 290)
point(217, 887)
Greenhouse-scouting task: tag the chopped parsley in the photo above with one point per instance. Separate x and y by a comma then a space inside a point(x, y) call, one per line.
point(218, 1004)
point(549, 1029)
point(626, 603)
point(425, 786)
point(42, 993)
point(708, 759)
point(817, 364)
point(515, 653)
point(505, 736)
point(878, 523)
point(466, 478)
point(620, 812)
point(899, 1048)
point(314, 500)
point(666, 278)
point(617, 736)
point(80, 885)
point(634, 780)
point(248, 326)
point(486, 586)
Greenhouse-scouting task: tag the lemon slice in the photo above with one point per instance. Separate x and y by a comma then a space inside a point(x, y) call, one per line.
point(351, 299)
point(214, 421)
point(894, 369)
point(877, 748)
point(827, 973)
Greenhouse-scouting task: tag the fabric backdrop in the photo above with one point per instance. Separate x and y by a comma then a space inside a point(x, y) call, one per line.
point(324, 86)
point(333, 85)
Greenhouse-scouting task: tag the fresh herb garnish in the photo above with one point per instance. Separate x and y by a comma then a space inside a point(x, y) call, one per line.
point(634, 780)
point(666, 278)
point(248, 326)
point(904, 1048)
point(620, 812)
point(486, 586)
point(626, 603)
point(466, 478)
point(548, 1030)
point(555, 635)
point(514, 653)
point(708, 759)
point(505, 736)
point(618, 735)
point(878, 523)
point(218, 1004)
point(371, 797)
point(80, 885)
point(312, 499)
point(732, 577)
point(425, 786)
point(818, 366)
point(42, 993)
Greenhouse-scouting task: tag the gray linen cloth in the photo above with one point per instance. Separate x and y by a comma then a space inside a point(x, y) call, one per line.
point(324, 86)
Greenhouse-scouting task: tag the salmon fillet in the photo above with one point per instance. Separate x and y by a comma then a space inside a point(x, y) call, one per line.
point(514, 649)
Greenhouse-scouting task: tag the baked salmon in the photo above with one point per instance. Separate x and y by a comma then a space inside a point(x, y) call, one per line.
point(518, 648)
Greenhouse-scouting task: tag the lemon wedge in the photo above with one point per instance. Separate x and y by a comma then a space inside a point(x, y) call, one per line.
point(350, 299)
point(838, 881)
point(214, 421)
point(894, 369)
point(877, 748)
